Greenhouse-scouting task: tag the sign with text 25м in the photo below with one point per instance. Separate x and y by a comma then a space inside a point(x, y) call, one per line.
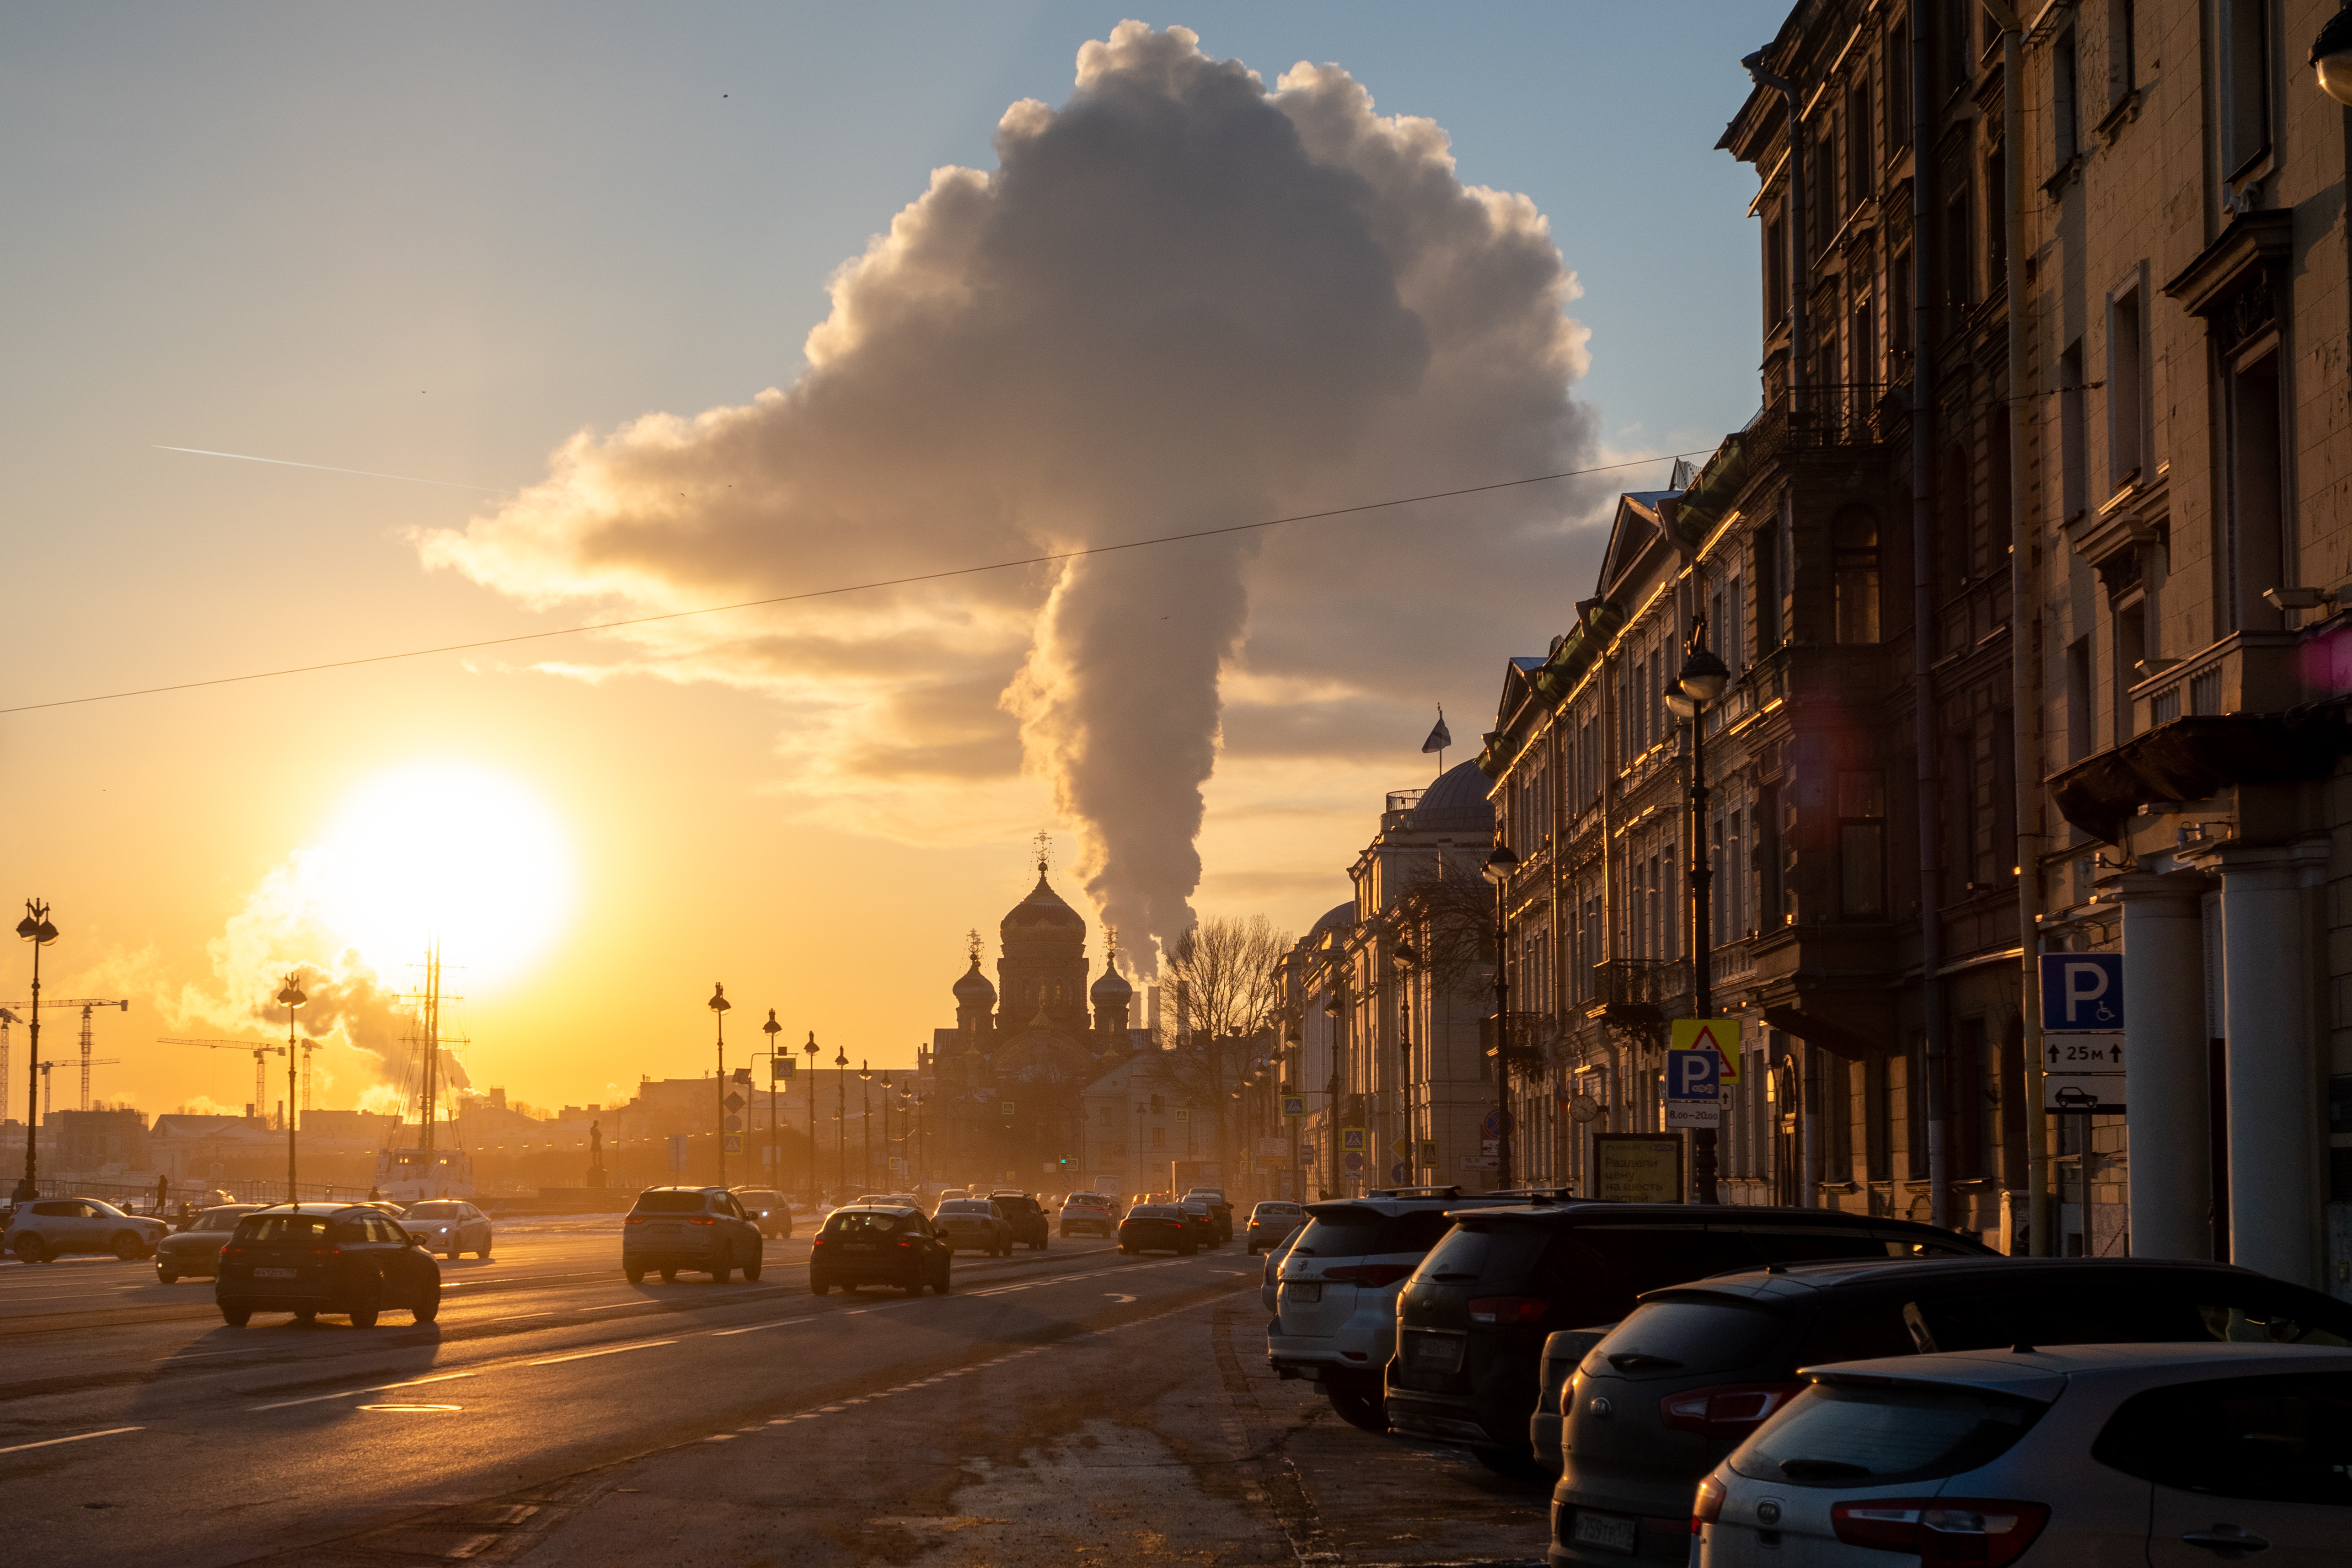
point(2082, 991)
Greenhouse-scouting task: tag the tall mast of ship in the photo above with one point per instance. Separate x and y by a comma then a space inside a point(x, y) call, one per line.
point(432, 1045)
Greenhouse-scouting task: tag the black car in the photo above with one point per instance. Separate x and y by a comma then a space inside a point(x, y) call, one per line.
point(1695, 1369)
point(1159, 1228)
point(702, 1230)
point(313, 1258)
point(1472, 1321)
point(879, 1244)
point(770, 1210)
point(1028, 1220)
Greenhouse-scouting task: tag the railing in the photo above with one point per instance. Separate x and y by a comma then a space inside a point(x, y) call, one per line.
point(1845, 413)
point(1639, 983)
point(1404, 799)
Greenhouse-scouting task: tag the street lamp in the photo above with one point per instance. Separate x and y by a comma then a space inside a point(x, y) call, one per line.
point(1703, 680)
point(2331, 56)
point(816, 1190)
point(1498, 870)
point(886, 1123)
point(34, 928)
point(291, 996)
point(865, 1116)
point(840, 1118)
point(775, 1137)
point(719, 1004)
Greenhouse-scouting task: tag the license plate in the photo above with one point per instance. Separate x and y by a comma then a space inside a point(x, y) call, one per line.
point(273, 1273)
point(1610, 1531)
point(1304, 1292)
point(1426, 1352)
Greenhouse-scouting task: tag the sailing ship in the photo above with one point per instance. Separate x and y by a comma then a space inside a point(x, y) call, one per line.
point(425, 1160)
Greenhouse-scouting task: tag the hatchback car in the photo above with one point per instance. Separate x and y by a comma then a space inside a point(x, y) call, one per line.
point(194, 1252)
point(880, 1245)
point(700, 1228)
point(1336, 1304)
point(50, 1227)
point(2087, 1454)
point(1697, 1368)
point(1090, 1212)
point(973, 1225)
point(313, 1258)
point(1272, 1220)
point(1472, 1323)
point(1159, 1228)
point(1022, 1212)
point(447, 1226)
point(770, 1210)
point(1270, 1281)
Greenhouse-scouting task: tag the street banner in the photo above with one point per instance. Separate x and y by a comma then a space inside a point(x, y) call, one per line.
point(1720, 1036)
point(2082, 991)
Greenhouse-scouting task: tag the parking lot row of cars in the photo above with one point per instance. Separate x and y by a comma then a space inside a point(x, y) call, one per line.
point(1738, 1385)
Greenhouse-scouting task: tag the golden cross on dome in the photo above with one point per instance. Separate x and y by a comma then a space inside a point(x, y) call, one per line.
point(1111, 942)
point(971, 945)
point(1045, 842)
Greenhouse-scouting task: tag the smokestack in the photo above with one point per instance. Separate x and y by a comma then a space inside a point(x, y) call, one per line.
point(1151, 1009)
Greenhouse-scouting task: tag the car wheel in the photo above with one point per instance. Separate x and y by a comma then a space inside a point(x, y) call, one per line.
point(940, 1286)
point(235, 1316)
point(367, 1303)
point(31, 1248)
point(1123, 1246)
point(1367, 1411)
point(166, 1277)
point(1520, 1464)
point(451, 1255)
point(1187, 1249)
point(722, 1272)
point(819, 1287)
point(128, 1247)
point(306, 1314)
point(751, 1270)
point(484, 1254)
point(636, 1276)
point(425, 1311)
point(669, 1274)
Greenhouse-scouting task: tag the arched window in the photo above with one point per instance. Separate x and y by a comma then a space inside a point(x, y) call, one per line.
point(1853, 569)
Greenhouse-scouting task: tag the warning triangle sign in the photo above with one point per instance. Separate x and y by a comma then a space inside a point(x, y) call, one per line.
point(1720, 1036)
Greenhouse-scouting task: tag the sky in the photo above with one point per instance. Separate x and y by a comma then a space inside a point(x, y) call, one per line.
point(542, 263)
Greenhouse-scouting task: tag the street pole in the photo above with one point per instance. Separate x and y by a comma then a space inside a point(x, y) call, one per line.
point(292, 996)
point(776, 1139)
point(840, 1119)
point(34, 928)
point(1703, 678)
point(719, 1004)
point(865, 1116)
point(815, 1190)
point(1498, 870)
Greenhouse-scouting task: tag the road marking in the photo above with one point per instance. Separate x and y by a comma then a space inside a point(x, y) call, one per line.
point(1115, 1296)
point(350, 1392)
point(755, 1328)
point(518, 1317)
point(77, 1437)
point(610, 1350)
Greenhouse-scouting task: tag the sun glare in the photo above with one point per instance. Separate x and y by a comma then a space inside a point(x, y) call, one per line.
point(453, 853)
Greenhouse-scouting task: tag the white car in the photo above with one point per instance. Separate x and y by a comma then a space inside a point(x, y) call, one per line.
point(2086, 1455)
point(52, 1227)
point(449, 1225)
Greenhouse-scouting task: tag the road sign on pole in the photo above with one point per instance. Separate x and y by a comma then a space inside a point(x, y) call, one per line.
point(1720, 1036)
point(2082, 991)
point(1293, 1104)
point(1694, 1092)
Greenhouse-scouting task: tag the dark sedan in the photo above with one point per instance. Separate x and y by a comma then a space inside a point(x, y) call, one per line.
point(313, 1258)
point(192, 1252)
point(879, 1244)
point(1159, 1228)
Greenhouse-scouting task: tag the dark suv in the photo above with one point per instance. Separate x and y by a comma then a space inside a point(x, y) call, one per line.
point(1695, 1369)
point(313, 1258)
point(1028, 1220)
point(701, 1228)
point(1472, 1321)
point(879, 1244)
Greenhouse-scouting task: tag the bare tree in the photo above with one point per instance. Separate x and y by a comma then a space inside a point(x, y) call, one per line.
point(1220, 976)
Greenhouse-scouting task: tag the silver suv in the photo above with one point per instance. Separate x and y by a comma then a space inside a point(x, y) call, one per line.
point(1336, 1293)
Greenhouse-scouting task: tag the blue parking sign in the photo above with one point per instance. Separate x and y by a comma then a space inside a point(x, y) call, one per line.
point(2082, 991)
point(1693, 1075)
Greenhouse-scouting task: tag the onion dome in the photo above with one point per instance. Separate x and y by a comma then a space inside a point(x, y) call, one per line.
point(975, 986)
point(1043, 908)
point(1111, 990)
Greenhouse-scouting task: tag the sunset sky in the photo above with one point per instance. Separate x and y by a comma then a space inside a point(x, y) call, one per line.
point(550, 259)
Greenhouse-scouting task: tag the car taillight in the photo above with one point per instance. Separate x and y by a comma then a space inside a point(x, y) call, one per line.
point(636, 1220)
point(231, 1250)
point(1507, 1311)
point(906, 1244)
point(1729, 1411)
point(1374, 1274)
point(1946, 1531)
point(1707, 1504)
point(702, 1220)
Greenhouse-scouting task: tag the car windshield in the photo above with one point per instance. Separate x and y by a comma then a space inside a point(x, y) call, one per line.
point(965, 1206)
point(1674, 1337)
point(1833, 1434)
point(434, 1211)
point(1349, 1231)
point(861, 1225)
point(219, 1219)
point(665, 1203)
point(281, 1227)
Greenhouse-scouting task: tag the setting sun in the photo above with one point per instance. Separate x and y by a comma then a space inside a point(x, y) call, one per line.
point(449, 853)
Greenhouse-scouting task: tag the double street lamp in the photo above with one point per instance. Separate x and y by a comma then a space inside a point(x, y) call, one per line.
point(719, 1004)
point(291, 996)
point(816, 1190)
point(34, 928)
point(1703, 679)
point(775, 1137)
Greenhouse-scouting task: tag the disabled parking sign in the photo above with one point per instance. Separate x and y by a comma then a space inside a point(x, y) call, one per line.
point(2082, 991)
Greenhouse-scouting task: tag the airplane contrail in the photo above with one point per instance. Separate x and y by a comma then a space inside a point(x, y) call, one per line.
point(329, 469)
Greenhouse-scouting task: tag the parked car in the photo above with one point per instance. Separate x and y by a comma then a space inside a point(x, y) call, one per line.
point(1090, 1212)
point(973, 1225)
point(449, 1225)
point(948, 1192)
point(1270, 1281)
point(701, 1228)
point(1697, 1368)
point(1271, 1221)
point(1159, 1228)
point(880, 1245)
point(50, 1227)
point(313, 1258)
point(1028, 1220)
point(770, 1210)
point(192, 1252)
point(1471, 1322)
point(2082, 1454)
point(1335, 1308)
point(1221, 1213)
point(1561, 1353)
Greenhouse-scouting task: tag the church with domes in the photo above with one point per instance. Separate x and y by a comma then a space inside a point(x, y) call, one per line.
point(1003, 1085)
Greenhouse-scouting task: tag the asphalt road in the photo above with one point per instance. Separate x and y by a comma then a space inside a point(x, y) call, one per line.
point(1062, 1405)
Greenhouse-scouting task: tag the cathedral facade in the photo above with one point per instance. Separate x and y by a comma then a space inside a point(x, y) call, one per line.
point(1002, 1089)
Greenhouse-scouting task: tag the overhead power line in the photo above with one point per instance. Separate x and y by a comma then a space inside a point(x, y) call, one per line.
point(847, 587)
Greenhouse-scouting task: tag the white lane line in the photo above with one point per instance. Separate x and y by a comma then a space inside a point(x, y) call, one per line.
point(610, 1306)
point(351, 1393)
point(77, 1437)
point(755, 1328)
point(610, 1350)
point(518, 1317)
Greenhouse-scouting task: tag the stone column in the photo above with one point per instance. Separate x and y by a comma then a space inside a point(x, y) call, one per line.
point(2270, 1073)
point(2167, 1109)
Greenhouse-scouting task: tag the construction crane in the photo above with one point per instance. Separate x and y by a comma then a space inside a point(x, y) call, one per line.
point(87, 1005)
point(8, 1017)
point(260, 1067)
point(87, 1063)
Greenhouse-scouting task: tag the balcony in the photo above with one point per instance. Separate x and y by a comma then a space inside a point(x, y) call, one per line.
point(1637, 992)
point(1837, 415)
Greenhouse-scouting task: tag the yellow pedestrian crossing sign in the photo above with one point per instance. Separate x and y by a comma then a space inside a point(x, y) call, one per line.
point(1720, 1036)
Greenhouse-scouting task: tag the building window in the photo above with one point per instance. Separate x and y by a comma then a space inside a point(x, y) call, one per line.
point(1159, 1105)
point(2073, 466)
point(2078, 699)
point(1769, 624)
point(2065, 113)
point(1853, 568)
point(2131, 648)
point(1861, 171)
point(1996, 188)
point(1158, 1137)
point(2255, 557)
point(2127, 411)
point(1959, 270)
point(1959, 45)
point(2245, 84)
point(1861, 345)
point(1898, 83)
point(1898, 307)
point(2123, 52)
point(1861, 845)
point(1776, 273)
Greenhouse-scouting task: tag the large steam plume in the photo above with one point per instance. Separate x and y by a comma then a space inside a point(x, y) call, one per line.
point(1180, 301)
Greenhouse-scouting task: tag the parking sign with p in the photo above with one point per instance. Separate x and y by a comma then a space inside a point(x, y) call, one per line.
point(2082, 991)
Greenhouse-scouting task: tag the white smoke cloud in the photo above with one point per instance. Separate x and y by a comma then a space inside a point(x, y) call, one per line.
point(1180, 301)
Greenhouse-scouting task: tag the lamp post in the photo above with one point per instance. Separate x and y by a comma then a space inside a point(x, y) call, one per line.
point(1498, 870)
point(1335, 1008)
point(34, 928)
point(840, 1118)
point(2331, 57)
point(290, 996)
point(1703, 678)
point(719, 1004)
point(866, 1117)
point(887, 1092)
point(814, 1189)
point(1405, 956)
point(775, 1137)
